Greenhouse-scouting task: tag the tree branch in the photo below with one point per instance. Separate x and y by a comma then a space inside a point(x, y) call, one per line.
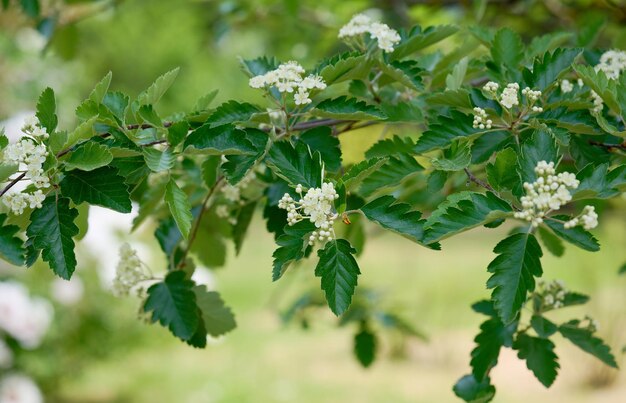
point(477, 181)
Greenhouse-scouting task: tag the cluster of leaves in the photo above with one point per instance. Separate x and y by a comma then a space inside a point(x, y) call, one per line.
point(178, 170)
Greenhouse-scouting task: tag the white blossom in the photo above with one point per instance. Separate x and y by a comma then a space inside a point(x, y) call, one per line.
point(566, 86)
point(588, 219)
point(287, 78)
point(231, 192)
point(129, 273)
point(552, 294)
point(222, 211)
point(549, 192)
point(531, 94)
point(24, 318)
point(612, 63)
point(509, 97)
point(361, 24)
point(491, 87)
point(16, 388)
point(480, 119)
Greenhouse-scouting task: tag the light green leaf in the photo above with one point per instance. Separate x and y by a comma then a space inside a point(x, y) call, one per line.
point(338, 271)
point(179, 206)
point(454, 80)
point(51, 230)
point(150, 116)
point(153, 94)
point(458, 98)
point(603, 86)
point(416, 39)
point(217, 317)
point(83, 131)
point(343, 67)
point(173, 303)
point(358, 172)
point(157, 160)
point(514, 271)
point(204, 101)
point(405, 72)
point(393, 146)
point(97, 94)
point(88, 157)
point(101, 187)
point(457, 157)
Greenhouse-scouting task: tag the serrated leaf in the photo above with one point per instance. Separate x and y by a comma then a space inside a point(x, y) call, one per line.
point(396, 217)
point(173, 304)
point(101, 187)
point(217, 317)
point(238, 166)
point(457, 157)
point(585, 340)
point(473, 210)
point(444, 131)
point(348, 109)
point(339, 271)
point(292, 246)
point(177, 132)
point(343, 67)
point(117, 104)
point(507, 48)
point(539, 356)
point(576, 236)
point(390, 174)
point(514, 271)
point(179, 207)
point(88, 157)
point(597, 182)
point(232, 112)
point(224, 139)
point(296, 165)
point(552, 66)
point(83, 131)
point(393, 146)
point(540, 147)
point(492, 337)
point(405, 72)
point(11, 247)
point(97, 94)
point(552, 242)
point(502, 173)
point(365, 347)
point(358, 172)
point(410, 111)
point(544, 43)
point(46, 110)
point(321, 139)
point(473, 391)
point(454, 80)
point(155, 91)
point(458, 98)
point(601, 84)
point(51, 230)
point(204, 101)
point(150, 116)
point(542, 326)
point(157, 160)
point(416, 39)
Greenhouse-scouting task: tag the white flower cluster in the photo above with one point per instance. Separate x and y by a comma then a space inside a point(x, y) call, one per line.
point(532, 96)
point(588, 218)
point(16, 388)
point(598, 103)
point(552, 294)
point(566, 86)
point(232, 193)
point(361, 24)
point(130, 272)
point(612, 63)
point(491, 87)
point(480, 119)
point(509, 97)
point(30, 156)
point(23, 318)
point(317, 205)
point(549, 192)
point(288, 78)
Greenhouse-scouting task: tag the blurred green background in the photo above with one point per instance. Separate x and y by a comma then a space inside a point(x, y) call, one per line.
point(110, 356)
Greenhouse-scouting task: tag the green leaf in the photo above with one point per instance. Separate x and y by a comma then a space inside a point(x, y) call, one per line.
point(6, 170)
point(393, 146)
point(474, 210)
point(492, 337)
point(338, 271)
point(232, 112)
point(553, 65)
point(173, 303)
point(539, 356)
point(149, 115)
point(585, 340)
point(46, 110)
point(157, 160)
point(473, 391)
point(101, 187)
point(544, 43)
point(597, 182)
point(540, 147)
point(210, 170)
point(11, 247)
point(177, 132)
point(417, 39)
point(396, 217)
point(117, 104)
point(576, 236)
point(217, 317)
point(321, 139)
point(83, 131)
point(390, 174)
point(204, 101)
point(514, 271)
point(153, 94)
point(458, 98)
point(30, 7)
point(179, 206)
point(542, 326)
point(457, 157)
point(602, 85)
point(507, 48)
point(552, 242)
point(358, 172)
point(502, 174)
point(295, 165)
point(454, 80)
point(399, 112)
point(444, 131)
point(405, 72)
point(238, 166)
point(343, 67)
point(224, 139)
point(89, 156)
point(98, 92)
point(348, 109)
point(51, 230)
point(365, 347)
point(292, 246)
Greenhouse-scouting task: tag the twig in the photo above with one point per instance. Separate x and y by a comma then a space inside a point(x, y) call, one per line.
point(12, 183)
point(477, 181)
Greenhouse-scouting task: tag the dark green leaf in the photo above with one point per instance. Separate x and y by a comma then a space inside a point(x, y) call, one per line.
point(507, 48)
point(405, 72)
point(292, 246)
point(552, 242)
point(347, 108)
point(232, 112)
point(393, 146)
point(295, 165)
point(343, 67)
point(390, 174)
point(576, 236)
point(217, 317)
point(51, 230)
point(547, 70)
point(358, 172)
point(492, 337)
point(365, 347)
point(321, 139)
point(210, 170)
point(117, 103)
point(514, 271)
point(177, 132)
point(502, 174)
point(540, 147)
point(473, 391)
point(101, 187)
point(238, 166)
point(445, 130)
point(586, 341)
point(339, 272)
point(30, 7)
point(173, 303)
point(539, 356)
point(11, 247)
point(46, 110)
point(240, 229)
point(179, 206)
point(543, 327)
point(417, 39)
point(223, 139)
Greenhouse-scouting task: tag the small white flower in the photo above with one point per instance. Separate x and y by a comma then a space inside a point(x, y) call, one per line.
point(16, 388)
point(129, 273)
point(566, 86)
point(509, 97)
point(491, 87)
point(480, 119)
point(361, 24)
